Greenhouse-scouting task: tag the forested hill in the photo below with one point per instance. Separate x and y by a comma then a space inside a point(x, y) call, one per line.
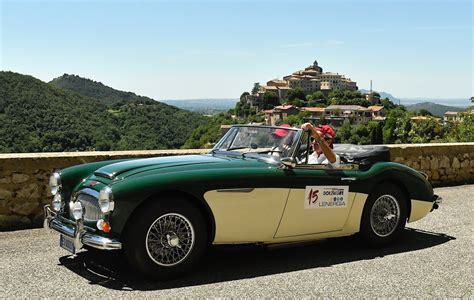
point(97, 90)
point(435, 109)
point(39, 117)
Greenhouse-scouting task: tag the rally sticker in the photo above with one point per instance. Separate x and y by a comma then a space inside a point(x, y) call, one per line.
point(325, 196)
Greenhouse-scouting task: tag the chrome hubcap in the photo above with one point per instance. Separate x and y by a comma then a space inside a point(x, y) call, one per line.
point(170, 239)
point(385, 215)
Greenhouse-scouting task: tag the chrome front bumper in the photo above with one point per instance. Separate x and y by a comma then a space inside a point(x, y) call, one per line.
point(77, 232)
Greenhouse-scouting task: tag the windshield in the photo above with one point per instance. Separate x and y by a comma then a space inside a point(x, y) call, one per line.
point(264, 140)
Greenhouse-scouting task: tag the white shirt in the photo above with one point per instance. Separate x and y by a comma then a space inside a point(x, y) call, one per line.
point(321, 159)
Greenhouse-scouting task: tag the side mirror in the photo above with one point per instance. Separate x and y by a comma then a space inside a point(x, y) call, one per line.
point(288, 162)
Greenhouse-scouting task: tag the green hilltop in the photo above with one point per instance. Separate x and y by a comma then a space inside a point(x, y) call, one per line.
point(98, 90)
point(77, 114)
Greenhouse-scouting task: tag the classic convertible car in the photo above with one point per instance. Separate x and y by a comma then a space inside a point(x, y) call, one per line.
point(254, 186)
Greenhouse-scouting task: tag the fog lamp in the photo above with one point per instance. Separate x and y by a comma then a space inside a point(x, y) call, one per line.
point(77, 210)
point(57, 202)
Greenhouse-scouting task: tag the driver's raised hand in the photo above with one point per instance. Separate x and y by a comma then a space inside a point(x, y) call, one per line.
point(307, 126)
point(314, 132)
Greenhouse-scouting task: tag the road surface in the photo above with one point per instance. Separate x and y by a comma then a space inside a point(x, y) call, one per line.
point(434, 258)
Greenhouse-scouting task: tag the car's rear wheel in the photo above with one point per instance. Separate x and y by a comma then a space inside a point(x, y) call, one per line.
point(166, 238)
point(384, 216)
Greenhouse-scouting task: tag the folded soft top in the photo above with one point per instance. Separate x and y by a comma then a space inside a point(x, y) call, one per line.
point(362, 155)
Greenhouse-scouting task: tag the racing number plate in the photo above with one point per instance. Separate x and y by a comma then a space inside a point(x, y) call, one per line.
point(67, 243)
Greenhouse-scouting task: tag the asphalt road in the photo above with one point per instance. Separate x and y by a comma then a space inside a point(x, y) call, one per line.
point(434, 258)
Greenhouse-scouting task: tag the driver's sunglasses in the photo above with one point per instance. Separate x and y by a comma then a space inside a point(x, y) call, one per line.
point(326, 138)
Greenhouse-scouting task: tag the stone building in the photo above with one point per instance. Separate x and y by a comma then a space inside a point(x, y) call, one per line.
point(452, 116)
point(278, 113)
point(377, 110)
point(311, 79)
point(340, 114)
point(335, 115)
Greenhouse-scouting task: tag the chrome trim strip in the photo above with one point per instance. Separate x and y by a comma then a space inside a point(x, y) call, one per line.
point(242, 190)
point(348, 179)
point(78, 232)
point(100, 242)
point(104, 174)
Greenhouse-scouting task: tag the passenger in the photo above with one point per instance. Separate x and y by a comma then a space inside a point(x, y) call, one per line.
point(322, 145)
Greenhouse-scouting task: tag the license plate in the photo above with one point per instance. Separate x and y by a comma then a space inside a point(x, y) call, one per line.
point(67, 243)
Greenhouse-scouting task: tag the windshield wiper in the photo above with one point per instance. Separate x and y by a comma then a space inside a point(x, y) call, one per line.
point(271, 151)
point(236, 148)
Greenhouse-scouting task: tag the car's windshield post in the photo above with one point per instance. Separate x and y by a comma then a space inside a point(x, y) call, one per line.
point(308, 142)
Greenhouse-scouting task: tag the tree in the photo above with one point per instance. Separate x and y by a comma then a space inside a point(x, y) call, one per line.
point(256, 88)
point(424, 112)
point(426, 131)
point(243, 97)
point(296, 93)
point(270, 100)
point(387, 104)
point(335, 95)
point(317, 98)
point(466, 127)
point(395, 124)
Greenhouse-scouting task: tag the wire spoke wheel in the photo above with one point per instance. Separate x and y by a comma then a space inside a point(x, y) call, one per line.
point(170, 239)
point(385, 215)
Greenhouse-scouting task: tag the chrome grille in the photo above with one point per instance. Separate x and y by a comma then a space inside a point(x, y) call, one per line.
point(90, 202)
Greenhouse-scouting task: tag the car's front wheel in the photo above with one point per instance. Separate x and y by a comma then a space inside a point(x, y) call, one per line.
point(166, 238)
point(384, 216)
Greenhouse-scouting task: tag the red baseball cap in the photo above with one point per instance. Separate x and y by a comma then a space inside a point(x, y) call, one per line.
point(326, 130)
point(282, 132)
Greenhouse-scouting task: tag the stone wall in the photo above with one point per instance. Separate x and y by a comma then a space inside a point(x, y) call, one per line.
point(445, 164)
point(24, 177)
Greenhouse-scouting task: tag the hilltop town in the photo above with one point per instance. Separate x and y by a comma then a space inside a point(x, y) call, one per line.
point(312, 95)
point(326, 97)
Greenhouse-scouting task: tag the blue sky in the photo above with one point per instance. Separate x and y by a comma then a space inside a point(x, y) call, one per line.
point(214, 49)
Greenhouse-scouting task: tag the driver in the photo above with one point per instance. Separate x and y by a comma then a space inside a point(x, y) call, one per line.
point(322, 145)
point(280, 137)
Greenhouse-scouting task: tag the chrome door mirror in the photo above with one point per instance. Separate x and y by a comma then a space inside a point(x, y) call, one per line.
point(288, 162)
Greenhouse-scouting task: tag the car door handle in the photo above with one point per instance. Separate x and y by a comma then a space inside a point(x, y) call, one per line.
point(243, 190)
point(348, 179)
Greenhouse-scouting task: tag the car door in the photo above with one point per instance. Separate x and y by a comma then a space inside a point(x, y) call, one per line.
point(319, 201)
point(246, 215)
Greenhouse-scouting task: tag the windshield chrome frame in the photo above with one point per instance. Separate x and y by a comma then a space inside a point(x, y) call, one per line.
point(297, 144)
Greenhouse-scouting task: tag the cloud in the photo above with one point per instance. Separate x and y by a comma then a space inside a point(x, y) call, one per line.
point(296, 45)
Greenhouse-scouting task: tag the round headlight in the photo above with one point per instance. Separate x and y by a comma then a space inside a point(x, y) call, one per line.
point(57, 202)
point(54, 183)
point(77, 210)
point(106, 200)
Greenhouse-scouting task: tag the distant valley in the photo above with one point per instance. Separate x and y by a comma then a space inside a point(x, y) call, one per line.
point(204, 106)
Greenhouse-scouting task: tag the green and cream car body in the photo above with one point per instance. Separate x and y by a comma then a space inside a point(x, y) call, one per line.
point(164, 212)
